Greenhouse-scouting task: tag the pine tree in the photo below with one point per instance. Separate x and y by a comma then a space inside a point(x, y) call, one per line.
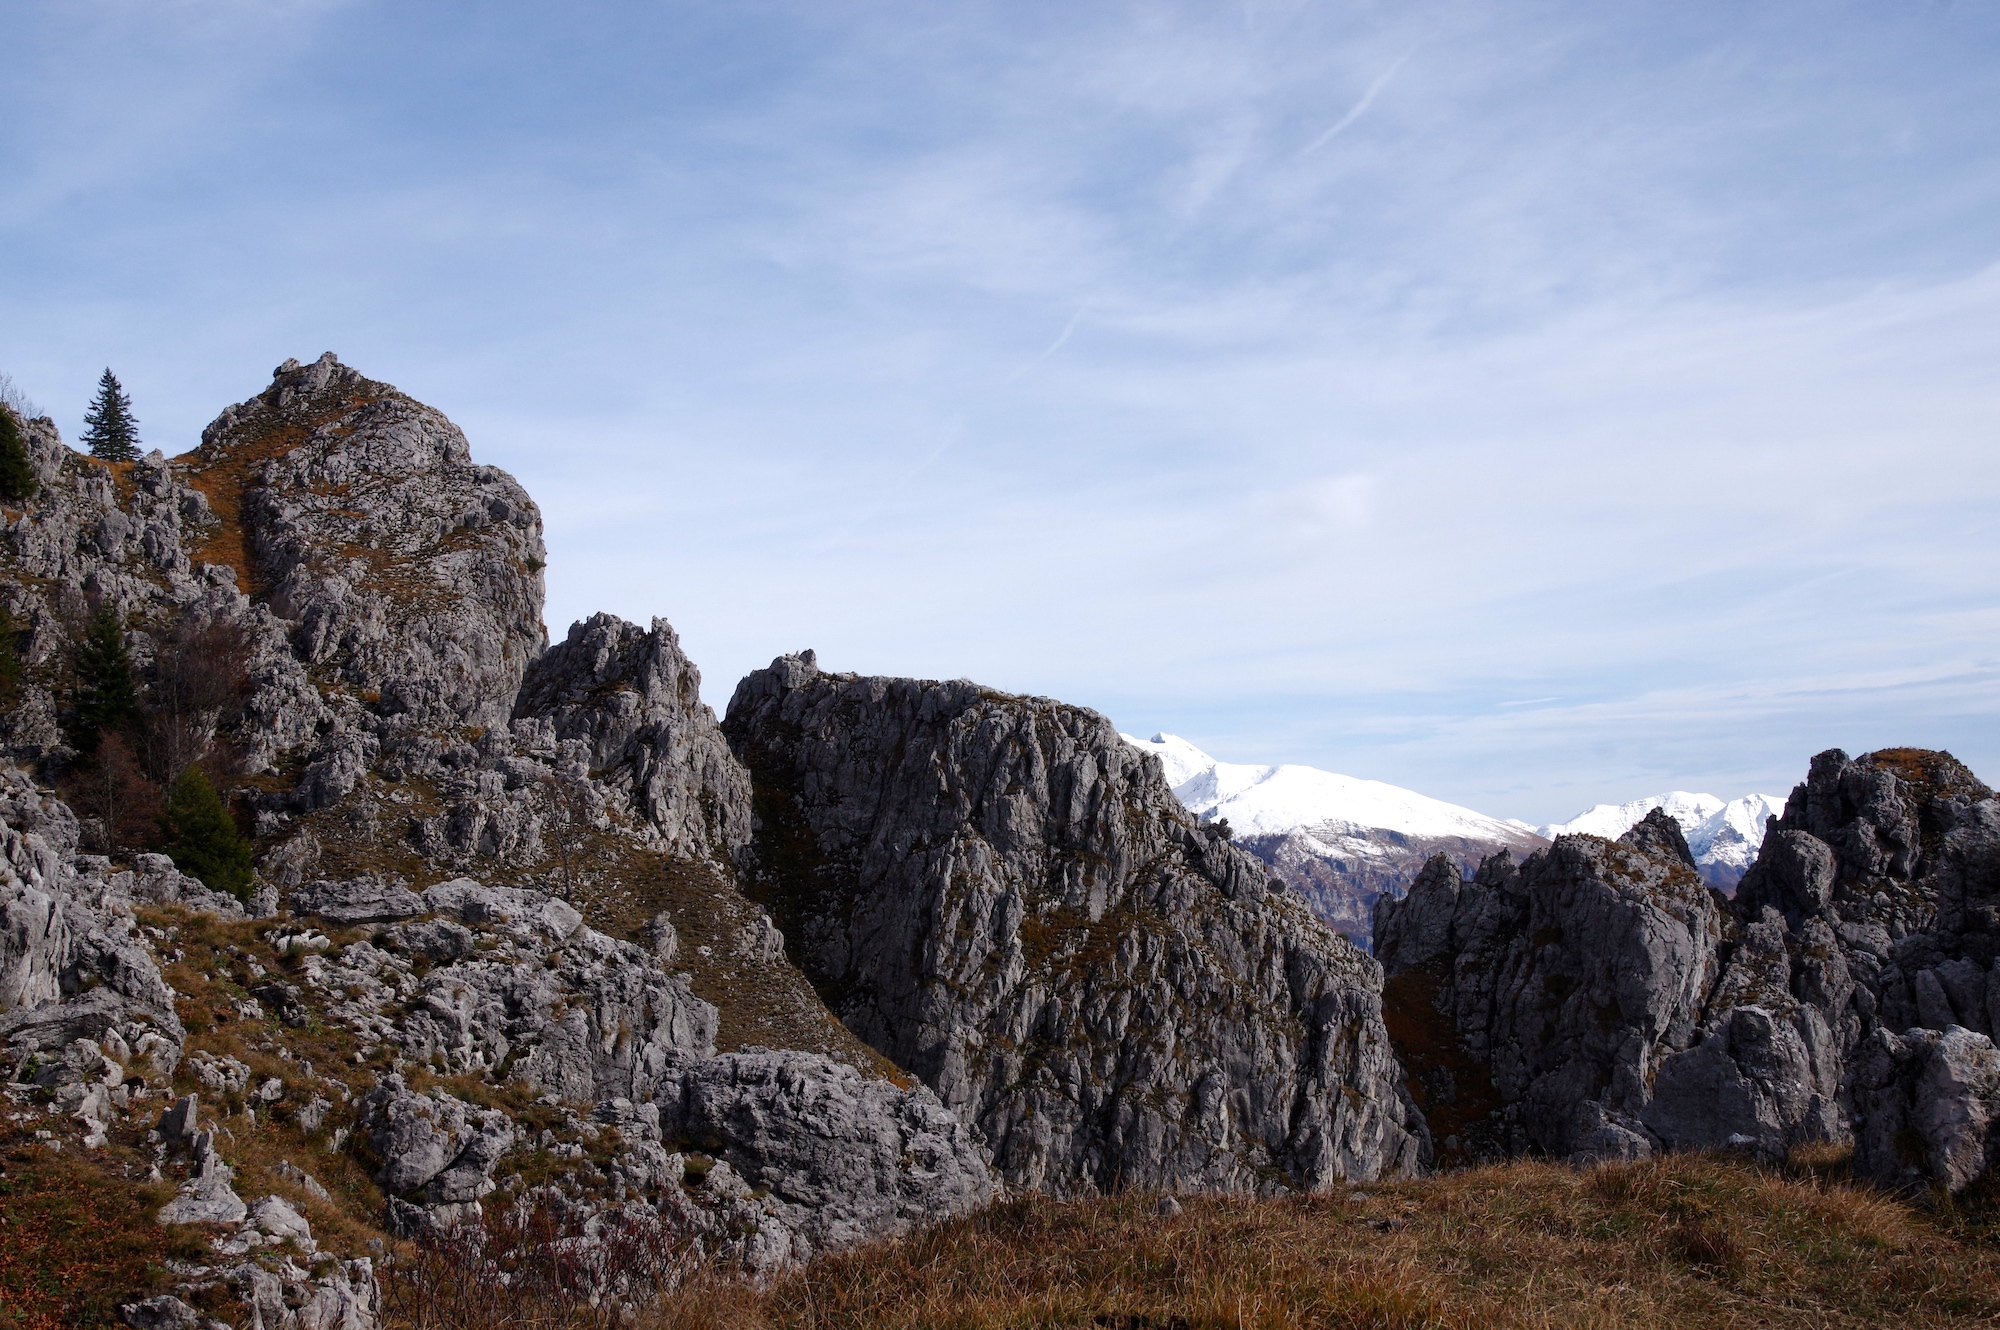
point(109, 426)
point(11, 672)
point(107, 694)
point(202, 839)
point(17, 478)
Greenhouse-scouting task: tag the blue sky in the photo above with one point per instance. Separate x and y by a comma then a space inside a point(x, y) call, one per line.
point(1533, 403)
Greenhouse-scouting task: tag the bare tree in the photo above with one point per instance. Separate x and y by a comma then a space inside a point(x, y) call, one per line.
point(199, 683)
point(115, 797)
point(566, 819)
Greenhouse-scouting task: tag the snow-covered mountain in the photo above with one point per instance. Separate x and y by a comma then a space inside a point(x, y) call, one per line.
point(1725, 835)
point(1340, 841)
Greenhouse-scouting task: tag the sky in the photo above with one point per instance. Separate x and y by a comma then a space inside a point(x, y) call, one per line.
point(1533, 404)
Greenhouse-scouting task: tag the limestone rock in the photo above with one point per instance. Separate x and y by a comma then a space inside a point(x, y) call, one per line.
point(433, 1146)
point(1007, 900)
point(396, 559)
point(1851, 994)
point(514, 979)
point(207, 1197)
point(1927, 1108)
point(846, 1157)
point(635, 699)
point(162, 1313)
point(361, 900)
point(1563, 983)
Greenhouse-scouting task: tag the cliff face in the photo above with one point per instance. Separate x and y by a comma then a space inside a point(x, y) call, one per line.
point(634, 699)
point(1847, 993)
point(495, 900)
point(1561, 985)
point(1005, 899)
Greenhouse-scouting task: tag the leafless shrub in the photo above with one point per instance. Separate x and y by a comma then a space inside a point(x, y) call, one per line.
point(120, 806)
point(200, 680)
point(536, 1269)
point(566, 820)
point(17, 401)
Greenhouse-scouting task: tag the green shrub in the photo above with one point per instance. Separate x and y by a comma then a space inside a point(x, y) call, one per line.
point(202, 838)
point(17, 478)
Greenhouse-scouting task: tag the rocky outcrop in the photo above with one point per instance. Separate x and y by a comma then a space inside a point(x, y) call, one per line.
point(1849, 997)
point(495, 979)
point(1927, 1109)
point(841, 1157)
point(411, 572)
point(74, 976)
point(635, 700)
point(1006, 900)
point(1870, 930)
point(1562, 985)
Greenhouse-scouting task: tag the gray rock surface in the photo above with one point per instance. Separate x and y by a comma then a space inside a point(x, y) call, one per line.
point(513, 979)
point(208, 1197)
point(635, 700)
point(412, 571)
point(1564, 982)
point(1007, 900)
point(72, 966)
point(1849, 990)
point(1927, 1108)
point(432, 1147)
point(845, 1157)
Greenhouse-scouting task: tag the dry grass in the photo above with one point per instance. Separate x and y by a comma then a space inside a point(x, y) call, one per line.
point(224, 472)
point(210, 978)
point(77, 1235)
point(1677, 1242)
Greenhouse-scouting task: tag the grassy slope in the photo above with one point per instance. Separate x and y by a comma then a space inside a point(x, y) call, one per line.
point(1684, 1241)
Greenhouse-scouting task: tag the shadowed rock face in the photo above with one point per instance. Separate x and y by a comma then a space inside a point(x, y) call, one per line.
point(1562, 985)
point(1849, 992)
point(1004, 898)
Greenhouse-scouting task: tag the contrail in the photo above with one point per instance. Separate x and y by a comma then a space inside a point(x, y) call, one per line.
point(1054, 346)
point(1063, 336)
point(1360, 107)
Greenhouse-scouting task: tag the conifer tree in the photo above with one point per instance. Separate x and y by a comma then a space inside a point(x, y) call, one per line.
point(11, 673)
point(109, 427)
point(107, 694)
point(17, 477)
point(202, 839)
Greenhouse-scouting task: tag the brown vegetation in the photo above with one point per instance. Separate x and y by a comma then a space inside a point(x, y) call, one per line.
point(1682, 1241)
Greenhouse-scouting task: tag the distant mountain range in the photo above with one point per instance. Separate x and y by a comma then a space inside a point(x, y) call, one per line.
point(1724, 836)
point(1340, 841)
point(1343, 842)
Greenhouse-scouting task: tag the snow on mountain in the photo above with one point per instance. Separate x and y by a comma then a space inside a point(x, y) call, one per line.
point(1341, 841)
point(1259, 801)
point(1724, 835)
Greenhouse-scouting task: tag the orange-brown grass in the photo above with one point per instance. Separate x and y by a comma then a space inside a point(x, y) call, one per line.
point(77, 1235)
point(223, 471)
point(1685, 1241)
point(209, 981)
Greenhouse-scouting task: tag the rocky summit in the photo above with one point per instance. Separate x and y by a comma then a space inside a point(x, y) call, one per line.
point(1597, 1002)
point(344, 919)
point(999, 894)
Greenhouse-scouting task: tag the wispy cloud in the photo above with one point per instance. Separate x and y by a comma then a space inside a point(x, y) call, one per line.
point(1359, 108)
point(1635, 362)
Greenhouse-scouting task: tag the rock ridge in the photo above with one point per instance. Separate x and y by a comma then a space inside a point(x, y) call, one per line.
point(1007, 900)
